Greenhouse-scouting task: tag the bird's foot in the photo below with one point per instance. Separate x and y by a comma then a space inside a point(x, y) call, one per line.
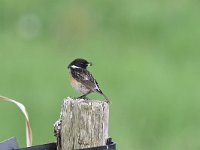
point(74, 98)
point(81, 97)
point(86, 98)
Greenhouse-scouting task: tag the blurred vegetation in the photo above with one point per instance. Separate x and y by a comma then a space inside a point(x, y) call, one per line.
point(145, 55)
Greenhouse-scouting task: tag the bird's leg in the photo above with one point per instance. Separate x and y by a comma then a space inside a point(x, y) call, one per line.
point(84, 96)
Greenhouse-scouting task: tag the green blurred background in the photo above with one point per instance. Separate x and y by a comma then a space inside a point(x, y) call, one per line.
point(146, 57)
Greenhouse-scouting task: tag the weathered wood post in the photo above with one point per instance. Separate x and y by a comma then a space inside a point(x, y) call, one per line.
point(82, 124)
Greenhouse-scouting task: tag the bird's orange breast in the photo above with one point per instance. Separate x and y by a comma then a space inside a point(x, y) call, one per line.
point(77, 85)
point(73, 81)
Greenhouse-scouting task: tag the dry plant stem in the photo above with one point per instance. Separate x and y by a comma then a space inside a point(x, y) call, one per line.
point(23, 110)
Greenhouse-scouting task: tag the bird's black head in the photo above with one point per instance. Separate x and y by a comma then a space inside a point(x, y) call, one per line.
point(82, 63)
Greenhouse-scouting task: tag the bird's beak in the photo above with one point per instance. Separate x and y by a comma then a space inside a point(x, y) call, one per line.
point(90, 64)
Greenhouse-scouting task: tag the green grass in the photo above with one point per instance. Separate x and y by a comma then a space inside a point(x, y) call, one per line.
point(145, 56)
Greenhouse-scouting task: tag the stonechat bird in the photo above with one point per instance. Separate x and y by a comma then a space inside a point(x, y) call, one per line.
point(82, 80)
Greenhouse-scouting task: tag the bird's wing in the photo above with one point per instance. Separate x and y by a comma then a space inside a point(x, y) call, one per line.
point(85, 77)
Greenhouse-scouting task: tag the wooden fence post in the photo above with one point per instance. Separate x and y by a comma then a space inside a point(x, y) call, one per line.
point(82, 124)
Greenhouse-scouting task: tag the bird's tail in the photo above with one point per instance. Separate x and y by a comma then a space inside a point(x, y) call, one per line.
point(100, 92)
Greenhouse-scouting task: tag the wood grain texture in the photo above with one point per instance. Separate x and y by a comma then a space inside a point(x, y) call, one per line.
point(84, 123)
